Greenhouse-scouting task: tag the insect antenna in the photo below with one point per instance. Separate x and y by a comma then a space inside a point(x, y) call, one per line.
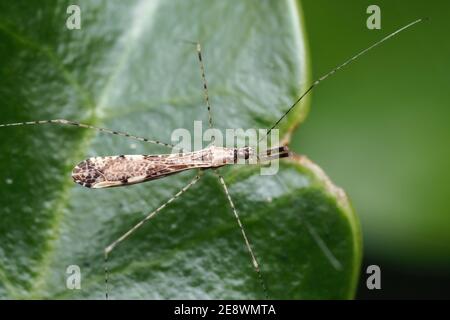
point(325, 76)
point(87, 126)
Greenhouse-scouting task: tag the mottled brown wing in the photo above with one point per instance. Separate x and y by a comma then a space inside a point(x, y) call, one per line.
point(115, 171)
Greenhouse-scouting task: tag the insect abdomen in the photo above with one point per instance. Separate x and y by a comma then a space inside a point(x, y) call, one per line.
point(115, 171)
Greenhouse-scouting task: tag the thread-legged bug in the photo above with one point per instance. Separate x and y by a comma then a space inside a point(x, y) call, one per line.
point(114, 171)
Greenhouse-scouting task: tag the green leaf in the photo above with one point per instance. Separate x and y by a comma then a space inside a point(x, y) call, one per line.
point(128, 69)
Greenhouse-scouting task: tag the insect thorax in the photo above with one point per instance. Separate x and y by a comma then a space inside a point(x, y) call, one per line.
point(221, 156)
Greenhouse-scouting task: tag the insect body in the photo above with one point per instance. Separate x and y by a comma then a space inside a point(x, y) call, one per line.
point(115, 171)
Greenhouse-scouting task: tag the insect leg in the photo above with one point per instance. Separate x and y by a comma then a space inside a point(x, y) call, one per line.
point(205, 84)
point(109, 248)
point(247, 242)
point(87, 126)
point(274, 153)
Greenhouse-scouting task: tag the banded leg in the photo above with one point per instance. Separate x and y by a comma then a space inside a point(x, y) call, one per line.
point(109, 248)
point(205, 84)
point(244, 235)
point(87, 126)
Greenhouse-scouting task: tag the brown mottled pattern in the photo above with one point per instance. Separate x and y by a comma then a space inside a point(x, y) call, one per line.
point(114, 171)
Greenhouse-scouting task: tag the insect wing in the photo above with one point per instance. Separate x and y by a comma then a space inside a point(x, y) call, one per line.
point(115, 171)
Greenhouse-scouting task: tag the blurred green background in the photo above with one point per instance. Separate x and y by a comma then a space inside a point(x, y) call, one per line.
point(380, 130)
